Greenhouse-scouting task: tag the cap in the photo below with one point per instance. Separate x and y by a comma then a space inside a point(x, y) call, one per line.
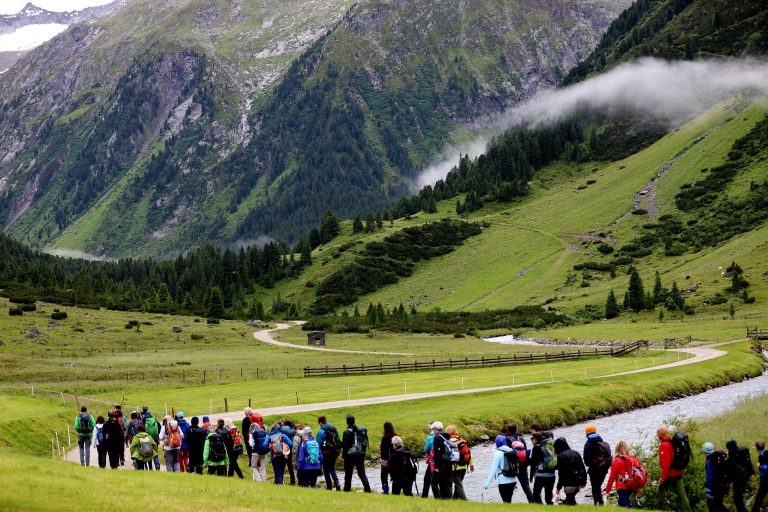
point(708, 448)
point(179, 414)
point(590, 429)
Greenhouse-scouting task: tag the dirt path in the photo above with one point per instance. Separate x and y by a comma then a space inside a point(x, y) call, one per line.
point(700, 354)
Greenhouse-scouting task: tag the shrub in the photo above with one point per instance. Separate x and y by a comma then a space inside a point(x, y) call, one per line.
point(639, 211)
point(196, 337)
point(15, 312)
point(623, 260)
point(28, 307)
point(591, 182)
point(539, 323)
point(605, 248)
point(212, 321)
point(58, 315)
point(458, 335)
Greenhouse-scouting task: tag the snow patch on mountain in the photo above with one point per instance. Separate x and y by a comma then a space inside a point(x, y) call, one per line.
point(30, 36)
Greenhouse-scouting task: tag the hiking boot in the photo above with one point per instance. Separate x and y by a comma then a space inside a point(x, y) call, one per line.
point(338, 487)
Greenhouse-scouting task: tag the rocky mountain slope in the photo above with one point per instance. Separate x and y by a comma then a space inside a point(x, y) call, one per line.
point(167, 125)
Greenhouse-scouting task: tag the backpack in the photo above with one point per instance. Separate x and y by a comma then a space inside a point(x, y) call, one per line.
point(331, 441)
point(510, 464)
point(360, 445)
point(635, 477)
point(522, 453)
point(313, 451)
point(681, 447)
point(85, 426)
point(744, 463)
point(550, 457)
point(151, 427)
point(601, 458)
point(277, 446)
point(465, 454)
point(411, 463)
point(172, 438)
point(580, 473)
point(145, 446)
point(259, 435)
point(719, 463)
point(451, 451)
point(217, 452)
point(237, 441)
point(100, 435)
point(132, 430)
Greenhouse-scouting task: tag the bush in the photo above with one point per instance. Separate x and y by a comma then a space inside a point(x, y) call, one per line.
point(639, 211)
point(15, 312)
point(28, 307)
point(197, 336)
point(539, 323)
point(605, 248)
point(212, 321)
point(623, 260)
point(59, 315)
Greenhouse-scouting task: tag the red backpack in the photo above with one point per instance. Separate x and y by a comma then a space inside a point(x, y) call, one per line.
point(634, 476)
point(522, 453)
point(172, 438)
point(465, 454)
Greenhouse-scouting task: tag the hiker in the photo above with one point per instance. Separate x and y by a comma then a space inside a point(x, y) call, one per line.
point(113, 439)
point(215, 454)
point(98, 438)
point(330, 444)
point(123, 421)
point(543, 464)
point(234, 448)
point(403, 467)
point(598, 459)
point(288, 429)
point(207, 424)
point(354, 446)
point(196, 436)
point(279, 446)
point(522, 477)
point(184, 450)
point(245, 429)
point(740, 471)
point(310, 459)
point(622, 475)
point(145, 414)
point(385, 448)
point(429, 462)
point(571, 472)
point(673, 458)
point(762, 468)
point(152, 428)
point(536, 427)
point(716, 470)
point(257, 438)
point(143, 449)
point(131, 431)
point(504, 469)
point(171, 436)
point(442, 473)
point(459, 469)
point(84, 426)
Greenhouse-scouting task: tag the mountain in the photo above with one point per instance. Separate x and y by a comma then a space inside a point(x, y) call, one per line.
point(158, 129)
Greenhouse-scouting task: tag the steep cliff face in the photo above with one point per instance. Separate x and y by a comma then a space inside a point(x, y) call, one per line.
point(175, 123)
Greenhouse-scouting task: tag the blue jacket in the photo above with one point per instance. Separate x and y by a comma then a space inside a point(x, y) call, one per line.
point(302, 462)
point(321, 433)
point(497, 464)
point(287, 440)
point(184, 427)
point(430, 443)
point(762, 463)
point(590, 446)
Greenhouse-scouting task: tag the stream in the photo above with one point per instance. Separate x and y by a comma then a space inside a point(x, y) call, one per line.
point(635, 427)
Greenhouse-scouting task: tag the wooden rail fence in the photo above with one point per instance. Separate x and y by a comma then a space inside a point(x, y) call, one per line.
point(614, 351)
point(757, 334)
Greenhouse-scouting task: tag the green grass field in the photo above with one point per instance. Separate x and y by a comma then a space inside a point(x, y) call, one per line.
point(745, 424)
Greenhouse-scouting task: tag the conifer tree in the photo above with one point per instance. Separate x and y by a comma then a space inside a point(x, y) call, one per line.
point(635, 292)
point(357, 225)
point(215, 303)
point(612, 309)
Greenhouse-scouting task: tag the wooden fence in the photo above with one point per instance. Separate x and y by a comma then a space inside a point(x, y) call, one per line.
point(613, 351)
point(757, 334)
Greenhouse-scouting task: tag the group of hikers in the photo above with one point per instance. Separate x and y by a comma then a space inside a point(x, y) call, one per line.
point(548, 466)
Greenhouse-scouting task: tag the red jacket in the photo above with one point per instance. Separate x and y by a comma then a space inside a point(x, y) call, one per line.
point(666, 454)
point(619, 466)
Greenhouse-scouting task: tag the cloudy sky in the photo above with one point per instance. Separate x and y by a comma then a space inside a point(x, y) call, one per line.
point(14, 6)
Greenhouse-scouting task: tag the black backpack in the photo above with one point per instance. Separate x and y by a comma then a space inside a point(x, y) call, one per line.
point(580, 473)
point(411, 463)
point(681, 448)
point(744, 463)
point(217, 452)
point(719, 463)
point(85, 424)
point(510, 464)
point(360, 442)
point(331, 441)
point(601, 456)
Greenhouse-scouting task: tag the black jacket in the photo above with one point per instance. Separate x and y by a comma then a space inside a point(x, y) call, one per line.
point(113, 435)
point(245, 430)
point(348, 441)
point(196, 444)
point(385, 447)
point(570, 467)
point(439, 448)
point(398, 465)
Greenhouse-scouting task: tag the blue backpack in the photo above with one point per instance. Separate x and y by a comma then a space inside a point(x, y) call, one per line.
point(312, 448)
point(100, 435)
point(259, 438)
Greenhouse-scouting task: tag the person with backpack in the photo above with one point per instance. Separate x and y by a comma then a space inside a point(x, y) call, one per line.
point(171, 437)
point(716, 484)
point(98, 440)
point(145, 414)
point(465, 462)
point(196, 436)
point(143, 449)
point(522, 477)
point(184, 450)
point(257, 438)
point(123, 421)
point(215, 454)
point(84, 425)
point(598, 459)
point(543, 463)
point(429, 462)
point(245, 429)
point(762, 468)
point(627, 474)
point(207, 424)
point(354, 445)
point(571, 472)
point(234, 448)
point(674, 455)
point(290, 462)
point(740, 471)
point(310, 459)
point(403, 466)
point(279, 447)
point(131, 431)
point(113, 439)
point(385, 449)
point(330, 444)
point(446, 453)
point(153, 429)
point(504, 469)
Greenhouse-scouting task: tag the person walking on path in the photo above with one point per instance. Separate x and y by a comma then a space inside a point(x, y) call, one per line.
point(123, 421)
point(403, 467)
point(143, 450)
point(245, 430)
point(429, 461)
point(330, 444)
point(184, 451)
point(113, 440)
point(716, 484)
point(234, 448)
point(84, 425)
point(671, 477)
point(543, 464)
point(145, 414)
point(522, 477)
point(171, 437)
point(279, 446)
point(131, 431)
point(740, 471)
point(504, 469)
point(385, 449)
point(196, 436)
point(258, 438)
point(459, 469)
point(98, 439)
point(762, 467)
point(215, 454)
point(354, 446)
point(621, 471)
point(153, 429)
point(571, 472)
point(310, 460)
point(598, 459)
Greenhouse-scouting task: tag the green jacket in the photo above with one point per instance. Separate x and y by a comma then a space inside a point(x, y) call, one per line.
point(78, 421)
point(207, 449)
point(135, 447)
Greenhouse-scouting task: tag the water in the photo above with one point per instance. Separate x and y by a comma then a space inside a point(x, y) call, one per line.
point(635, 427)
point(510, 340)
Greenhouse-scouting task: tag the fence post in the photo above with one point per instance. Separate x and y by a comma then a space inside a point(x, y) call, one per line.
point(297, 398)
point(405, 387)
point(585, 373)
point(203, 376)
point(226, 405)
point(69, 437)
point(53, 449)
point(462, 383)
point(349, 395)
point(611, 368)
point(249, 402)
point(551, 375)
point(33, 391)
point(513, 379)
point(211, 406)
